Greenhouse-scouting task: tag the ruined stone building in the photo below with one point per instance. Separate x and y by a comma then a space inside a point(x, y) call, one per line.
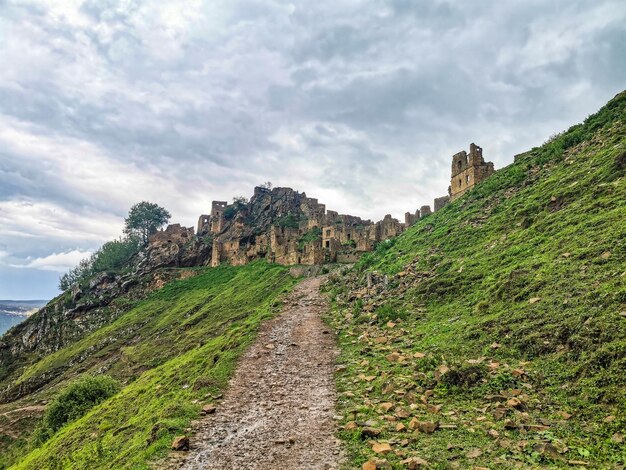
point(287, 227)
point(468, 170)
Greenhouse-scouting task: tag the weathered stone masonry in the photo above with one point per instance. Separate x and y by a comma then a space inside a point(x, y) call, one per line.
point(287, 227)
point(468, 170)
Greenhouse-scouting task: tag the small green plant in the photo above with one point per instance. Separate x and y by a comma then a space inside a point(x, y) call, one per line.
point(349, 244)
point(388, 312)
point(75, 401)
point(312, 235)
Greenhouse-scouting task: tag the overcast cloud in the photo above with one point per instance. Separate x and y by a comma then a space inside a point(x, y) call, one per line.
point(105, 103)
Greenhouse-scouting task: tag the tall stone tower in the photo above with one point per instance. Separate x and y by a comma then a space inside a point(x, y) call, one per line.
point(468, 170)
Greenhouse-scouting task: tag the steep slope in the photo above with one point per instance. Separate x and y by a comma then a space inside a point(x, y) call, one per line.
point(493, 333)
point(172, 352)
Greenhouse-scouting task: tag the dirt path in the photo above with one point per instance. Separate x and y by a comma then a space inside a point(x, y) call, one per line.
point(278, 409)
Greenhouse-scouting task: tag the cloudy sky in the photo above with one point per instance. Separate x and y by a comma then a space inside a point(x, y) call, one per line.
point(105, 103)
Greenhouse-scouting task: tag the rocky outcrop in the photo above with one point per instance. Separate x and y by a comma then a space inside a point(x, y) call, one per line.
point(69, 317)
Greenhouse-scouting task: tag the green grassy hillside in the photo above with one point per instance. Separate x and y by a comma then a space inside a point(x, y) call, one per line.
point(172, 352)
point(507, 341)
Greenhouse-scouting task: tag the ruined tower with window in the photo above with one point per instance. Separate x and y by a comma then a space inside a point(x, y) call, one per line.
point(468, 170)
point(287, 227)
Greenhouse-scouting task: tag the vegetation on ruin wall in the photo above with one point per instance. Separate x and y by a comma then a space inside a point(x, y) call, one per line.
point(173, 352)
point(510, 344)
point(312, 235)
point(289, 221)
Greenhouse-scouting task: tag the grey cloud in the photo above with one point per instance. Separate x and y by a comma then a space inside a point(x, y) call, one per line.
point(360, 102)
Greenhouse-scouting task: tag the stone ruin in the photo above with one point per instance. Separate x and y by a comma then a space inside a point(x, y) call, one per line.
point(468, 170)
point(287, 227)
point(174, 233)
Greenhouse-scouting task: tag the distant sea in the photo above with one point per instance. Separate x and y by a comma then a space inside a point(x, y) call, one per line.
point(7, 321)
point(13, 312)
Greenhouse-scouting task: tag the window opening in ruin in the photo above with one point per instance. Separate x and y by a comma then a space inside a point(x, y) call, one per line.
point(327, 243)
point(348, 236)
point(299, 260)
point(328, 233)
point(467, 178)
point(460, 182)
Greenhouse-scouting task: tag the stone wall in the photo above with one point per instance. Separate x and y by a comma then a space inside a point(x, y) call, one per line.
point(468, 170)
point(174, 233)
point(441, 202)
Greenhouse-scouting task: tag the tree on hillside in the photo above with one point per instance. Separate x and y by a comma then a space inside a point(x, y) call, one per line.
point(240, 200)
point(145, 218)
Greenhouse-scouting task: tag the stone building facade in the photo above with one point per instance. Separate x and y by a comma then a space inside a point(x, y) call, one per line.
point(468, 170)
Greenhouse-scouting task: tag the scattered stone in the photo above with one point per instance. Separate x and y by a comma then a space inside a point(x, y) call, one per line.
point(209, 409)
point(413, 462)
point(534, 300)
point(617, 438)
point(510, 424)
point(381, 448)
point(441, 370)
point(427, 427)
point(370, 432)
point(536, 427)
point(386, 406)
point(545, 448)
point(393, 357)
point(369, 465)
point(474, 454)
point(514, 402)
point(180, 443)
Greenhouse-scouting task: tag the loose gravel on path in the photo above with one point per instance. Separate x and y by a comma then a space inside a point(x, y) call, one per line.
point(278, 410)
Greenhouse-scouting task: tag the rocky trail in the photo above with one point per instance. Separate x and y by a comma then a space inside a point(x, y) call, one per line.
point(278, 410)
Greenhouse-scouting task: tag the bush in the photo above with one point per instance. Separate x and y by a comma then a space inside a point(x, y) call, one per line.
point(112, 256)
point(230, 212)
point(288, 221)
point(76, 400)
point(388, 312)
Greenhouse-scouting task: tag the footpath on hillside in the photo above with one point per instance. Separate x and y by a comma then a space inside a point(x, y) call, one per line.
point(278, 410)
